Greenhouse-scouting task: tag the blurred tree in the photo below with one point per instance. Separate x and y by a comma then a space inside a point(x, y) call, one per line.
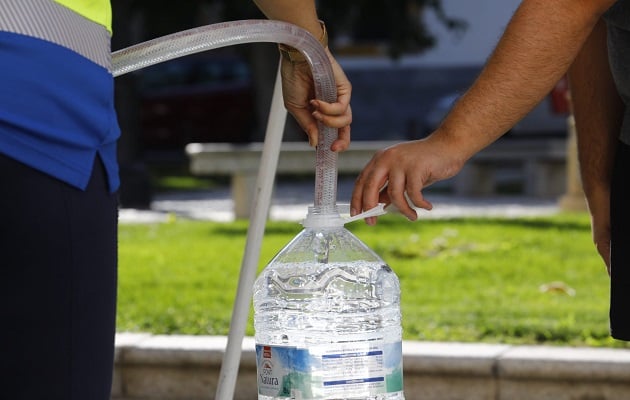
point(397, 25)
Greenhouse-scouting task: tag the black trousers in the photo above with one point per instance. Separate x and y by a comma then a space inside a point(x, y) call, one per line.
point(58, 256)
point(620, 246)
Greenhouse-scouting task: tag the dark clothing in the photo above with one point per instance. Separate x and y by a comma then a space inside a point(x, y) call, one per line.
point(57, 285)
point(618, 27)
point(620, 248)
point(59, 175)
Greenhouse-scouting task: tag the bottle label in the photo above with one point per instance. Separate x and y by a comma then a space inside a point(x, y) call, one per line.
point(348, 369)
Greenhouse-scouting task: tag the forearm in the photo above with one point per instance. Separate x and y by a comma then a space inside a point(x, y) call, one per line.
point(298, 12)
point(534, 52)
point(297, 79)
point(598, 112)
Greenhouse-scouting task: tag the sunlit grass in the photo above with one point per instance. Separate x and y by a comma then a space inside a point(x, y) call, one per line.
point(526, 280)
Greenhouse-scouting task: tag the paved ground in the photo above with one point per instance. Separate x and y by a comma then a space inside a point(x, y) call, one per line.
point(291, 200)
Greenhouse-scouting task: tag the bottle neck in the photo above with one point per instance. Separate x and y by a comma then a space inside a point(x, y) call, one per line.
point(323, 217)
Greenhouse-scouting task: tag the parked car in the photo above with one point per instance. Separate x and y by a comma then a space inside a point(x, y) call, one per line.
point(549, 117)
point(198, 98)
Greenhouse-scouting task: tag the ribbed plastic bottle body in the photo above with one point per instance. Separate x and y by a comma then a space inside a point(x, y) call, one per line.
point(328, 330)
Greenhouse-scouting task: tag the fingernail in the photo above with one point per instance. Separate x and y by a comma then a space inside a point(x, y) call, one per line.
point(318, 116)
point(353, 212)
point(314, 103)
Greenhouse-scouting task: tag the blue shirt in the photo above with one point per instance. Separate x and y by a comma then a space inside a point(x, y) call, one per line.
point(56, 105)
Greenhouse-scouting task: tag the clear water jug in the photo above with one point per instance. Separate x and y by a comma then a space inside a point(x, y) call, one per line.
point(327, 319)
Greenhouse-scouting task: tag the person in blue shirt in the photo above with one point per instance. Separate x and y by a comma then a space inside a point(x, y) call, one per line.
point(589, 40)
point(59, 177)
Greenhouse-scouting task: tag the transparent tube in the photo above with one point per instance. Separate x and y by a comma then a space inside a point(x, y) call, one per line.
point(249, 31)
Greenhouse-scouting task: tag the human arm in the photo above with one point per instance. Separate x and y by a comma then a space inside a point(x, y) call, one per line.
point(297, 80)
point(535, 50)
point(598, 112)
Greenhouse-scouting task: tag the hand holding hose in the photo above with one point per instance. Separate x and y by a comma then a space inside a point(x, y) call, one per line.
point(299, 99)
point(297, 80)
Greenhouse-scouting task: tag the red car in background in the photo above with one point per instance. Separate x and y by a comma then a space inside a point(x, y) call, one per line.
point(198, 98)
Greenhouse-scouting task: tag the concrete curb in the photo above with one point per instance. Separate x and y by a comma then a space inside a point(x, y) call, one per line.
point(160, 367)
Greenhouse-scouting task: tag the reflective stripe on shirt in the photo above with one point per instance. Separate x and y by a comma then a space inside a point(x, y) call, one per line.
point(99, 11)
point(48, 20)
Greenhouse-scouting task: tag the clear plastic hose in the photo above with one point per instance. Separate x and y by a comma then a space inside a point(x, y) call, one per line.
point(248, 31)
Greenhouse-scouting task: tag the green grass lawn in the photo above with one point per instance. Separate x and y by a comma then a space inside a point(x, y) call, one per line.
point(462, 279)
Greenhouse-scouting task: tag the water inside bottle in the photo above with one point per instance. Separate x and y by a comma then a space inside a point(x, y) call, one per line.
point(328, 331)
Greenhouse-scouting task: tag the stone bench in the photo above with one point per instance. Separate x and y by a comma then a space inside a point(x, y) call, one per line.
point(541, 160)
point(242, 162)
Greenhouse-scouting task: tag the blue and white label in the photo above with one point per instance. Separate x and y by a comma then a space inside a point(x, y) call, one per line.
point(361, 368)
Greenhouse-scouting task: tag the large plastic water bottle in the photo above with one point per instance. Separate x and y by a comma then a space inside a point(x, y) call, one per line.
point(327, 319)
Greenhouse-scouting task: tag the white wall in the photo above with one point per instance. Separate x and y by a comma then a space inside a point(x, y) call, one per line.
point(486, 21)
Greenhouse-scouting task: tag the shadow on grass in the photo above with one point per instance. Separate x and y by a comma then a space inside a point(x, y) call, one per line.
point(239, 229)
point(398, 223)
point(524, 222)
